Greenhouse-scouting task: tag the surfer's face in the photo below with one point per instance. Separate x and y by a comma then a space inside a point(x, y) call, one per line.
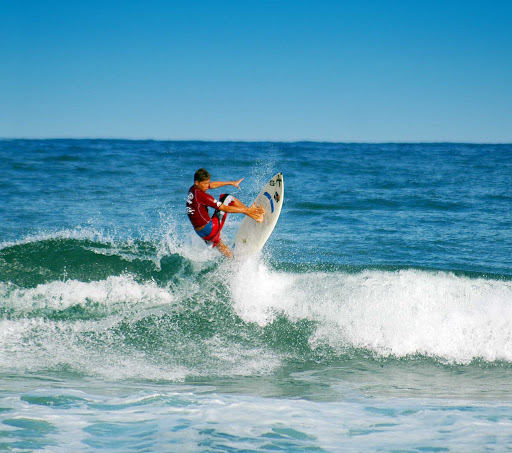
point(203, 185)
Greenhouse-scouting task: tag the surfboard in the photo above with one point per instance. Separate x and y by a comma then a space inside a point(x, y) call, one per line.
point(251, 235)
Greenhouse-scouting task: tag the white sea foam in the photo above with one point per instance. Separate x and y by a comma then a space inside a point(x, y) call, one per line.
point(412, 312)
point(112, 293)
point(404, 313)
point(258, 294)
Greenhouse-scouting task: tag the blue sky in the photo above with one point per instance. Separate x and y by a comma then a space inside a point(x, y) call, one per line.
point(349, 71)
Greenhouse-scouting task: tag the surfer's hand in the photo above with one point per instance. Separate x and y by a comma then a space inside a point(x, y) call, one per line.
point(256, 212)
point(237, 183)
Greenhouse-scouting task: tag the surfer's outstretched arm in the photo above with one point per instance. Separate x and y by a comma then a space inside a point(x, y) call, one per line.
point(217, 184)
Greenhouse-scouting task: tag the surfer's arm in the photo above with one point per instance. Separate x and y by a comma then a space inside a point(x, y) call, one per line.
point(255, 212)
point(217, 184)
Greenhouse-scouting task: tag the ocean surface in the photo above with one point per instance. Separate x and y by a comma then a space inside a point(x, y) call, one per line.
point(378, 316)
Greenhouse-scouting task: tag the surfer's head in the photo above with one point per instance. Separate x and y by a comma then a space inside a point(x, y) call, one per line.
point(202, 179)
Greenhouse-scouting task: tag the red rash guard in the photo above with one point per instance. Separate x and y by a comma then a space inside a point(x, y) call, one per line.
point(198, 203)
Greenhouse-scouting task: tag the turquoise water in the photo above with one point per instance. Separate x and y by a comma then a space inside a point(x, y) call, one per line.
point(377, 318)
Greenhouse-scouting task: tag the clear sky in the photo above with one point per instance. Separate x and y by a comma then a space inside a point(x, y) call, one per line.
point(349, 71)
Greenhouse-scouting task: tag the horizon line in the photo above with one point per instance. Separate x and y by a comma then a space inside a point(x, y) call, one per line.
point(206, 140)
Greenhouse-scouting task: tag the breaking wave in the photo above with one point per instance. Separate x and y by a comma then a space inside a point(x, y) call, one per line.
point(86, 305)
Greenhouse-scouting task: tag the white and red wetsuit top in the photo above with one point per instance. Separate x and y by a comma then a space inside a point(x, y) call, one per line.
point(198, 203)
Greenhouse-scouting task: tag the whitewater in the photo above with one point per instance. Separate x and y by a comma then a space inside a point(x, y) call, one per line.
point(378, 317)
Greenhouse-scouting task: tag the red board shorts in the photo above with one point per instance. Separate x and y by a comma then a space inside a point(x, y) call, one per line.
point(214, 227)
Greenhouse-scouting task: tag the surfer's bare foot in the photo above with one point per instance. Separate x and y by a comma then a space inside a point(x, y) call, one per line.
point(256, 212)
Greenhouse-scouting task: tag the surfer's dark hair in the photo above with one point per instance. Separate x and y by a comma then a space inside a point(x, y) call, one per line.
point(201, 175)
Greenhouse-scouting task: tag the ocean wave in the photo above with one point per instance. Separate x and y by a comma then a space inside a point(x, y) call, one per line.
point(125, 309)
point(88, 257)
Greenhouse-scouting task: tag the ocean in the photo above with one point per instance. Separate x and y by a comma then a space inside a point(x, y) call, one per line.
point(378, 316)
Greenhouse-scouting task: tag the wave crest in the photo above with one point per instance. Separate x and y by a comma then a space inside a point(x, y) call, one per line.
point(149, 306)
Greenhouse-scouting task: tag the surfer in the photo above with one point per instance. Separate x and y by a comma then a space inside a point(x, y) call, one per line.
point(198, 202)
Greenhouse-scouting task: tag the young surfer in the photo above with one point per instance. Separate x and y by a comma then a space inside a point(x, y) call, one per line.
point(198, 202)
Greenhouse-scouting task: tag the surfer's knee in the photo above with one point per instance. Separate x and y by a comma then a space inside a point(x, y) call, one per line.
point(229, 200)
point(237, 203)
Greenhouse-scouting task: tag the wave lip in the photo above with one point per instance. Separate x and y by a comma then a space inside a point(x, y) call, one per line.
point(410, 313)
point(452, 318)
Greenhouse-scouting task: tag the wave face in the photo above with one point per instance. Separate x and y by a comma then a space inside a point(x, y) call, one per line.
point(137, 310)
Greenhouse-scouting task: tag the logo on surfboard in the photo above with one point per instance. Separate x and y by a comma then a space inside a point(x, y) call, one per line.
point(277, 181)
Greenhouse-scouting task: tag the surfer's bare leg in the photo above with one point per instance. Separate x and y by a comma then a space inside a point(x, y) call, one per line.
point(224, 249)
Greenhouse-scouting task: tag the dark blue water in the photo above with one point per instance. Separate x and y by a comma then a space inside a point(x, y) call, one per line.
point(378, 315)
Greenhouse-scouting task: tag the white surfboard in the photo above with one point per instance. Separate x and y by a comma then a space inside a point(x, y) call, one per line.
point(251, 235)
